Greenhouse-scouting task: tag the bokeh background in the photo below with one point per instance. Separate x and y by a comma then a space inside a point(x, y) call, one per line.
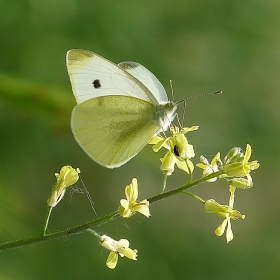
point(203, 46)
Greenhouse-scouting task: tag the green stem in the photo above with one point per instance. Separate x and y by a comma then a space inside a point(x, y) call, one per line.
point(47, 220)
point(81, 228)
point(94, 233)
point(164, 182)
point(184, 187)
point(190, 173)
point(63, 233)
point(194, 196)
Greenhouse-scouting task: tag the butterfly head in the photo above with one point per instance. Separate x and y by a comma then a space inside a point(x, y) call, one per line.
point(166, 112)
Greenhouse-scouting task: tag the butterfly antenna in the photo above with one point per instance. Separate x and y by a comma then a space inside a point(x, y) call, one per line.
point(172, 91)
point(204, 94)
point(184, 111)
point(172, 94)
point(189, 97)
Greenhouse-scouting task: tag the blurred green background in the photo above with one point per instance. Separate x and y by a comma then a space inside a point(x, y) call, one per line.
point(203, 46)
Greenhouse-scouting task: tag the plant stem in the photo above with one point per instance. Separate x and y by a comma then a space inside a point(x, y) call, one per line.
point(93, 232)
point(184, 187)
point(164, 182)
point(47, 220)
point(81, 228)
point(51, 236)
point(194, 196)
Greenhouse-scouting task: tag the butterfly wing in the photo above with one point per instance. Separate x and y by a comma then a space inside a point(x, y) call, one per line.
point(92, 75)
point(147, 78)
point(113, 129)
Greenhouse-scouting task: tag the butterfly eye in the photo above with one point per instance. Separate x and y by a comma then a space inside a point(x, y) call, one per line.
point(96, 83)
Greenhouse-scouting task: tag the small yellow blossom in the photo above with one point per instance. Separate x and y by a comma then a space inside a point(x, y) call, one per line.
point(241, 183)
point(235, 166)
point(179, 150)
point(233, 155)
point(237, 163)
point(120, 247)
point(225, 211)
point(130, 206)
point(168, 162)
point(67, 177)
point(209, 168)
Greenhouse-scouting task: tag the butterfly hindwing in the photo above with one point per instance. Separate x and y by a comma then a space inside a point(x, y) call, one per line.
point(113, 129)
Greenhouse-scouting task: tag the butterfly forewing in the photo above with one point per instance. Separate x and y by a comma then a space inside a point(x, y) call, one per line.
point(92, 75)
point(147, 78)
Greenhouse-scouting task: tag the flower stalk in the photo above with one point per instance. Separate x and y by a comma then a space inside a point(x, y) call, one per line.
point(81, 228)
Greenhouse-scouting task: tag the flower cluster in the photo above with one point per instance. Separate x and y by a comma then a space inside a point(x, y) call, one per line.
point(236, 164)
point(128, 207)
point(179, 150)
point(236, 167)
point(225, 211)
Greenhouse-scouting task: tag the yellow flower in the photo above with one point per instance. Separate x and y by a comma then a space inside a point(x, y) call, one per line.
point(179, 150)
point(130, 206)
point(120, 247)
point(237, 163)
point(241, 183)
point(225, 211)
point(235, 166)
point(67, 177)
point(168, 162)
point(209, 168)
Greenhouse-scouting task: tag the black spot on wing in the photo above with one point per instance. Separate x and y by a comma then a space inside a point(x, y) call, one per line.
point(96, 83)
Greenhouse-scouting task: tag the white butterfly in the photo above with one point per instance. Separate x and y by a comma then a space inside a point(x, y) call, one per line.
point(119, 107)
